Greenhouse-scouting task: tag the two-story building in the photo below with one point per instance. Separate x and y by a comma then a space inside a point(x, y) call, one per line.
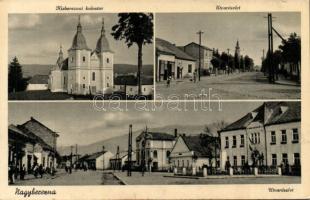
point(206, 55)
point(172, 62)
point(45, 149)
point(153, 149)
point(269, 136)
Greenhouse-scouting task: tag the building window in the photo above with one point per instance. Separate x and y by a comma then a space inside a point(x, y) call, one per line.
point(296, 159)
point(284, 158)
point(94, 76)
point(84, 58)
point(130, 89)
point(235, 160)
point(189, 68)
point(258, 137)
point(273, 137)
point(84, 86)
point(187, 163)
point(144, 89)
point(274, 159)
point(234, 142)
point(242, 160)
point(108, 85)
point(295, 136)
point(108, 60)
point(226, 142)
point(241, 140)
point(155, 154)
point(182, 163)
point(284, 138)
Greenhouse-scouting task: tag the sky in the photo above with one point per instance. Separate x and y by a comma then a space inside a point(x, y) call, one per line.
point(80, 123)
point(222, 30)
point(35, 38)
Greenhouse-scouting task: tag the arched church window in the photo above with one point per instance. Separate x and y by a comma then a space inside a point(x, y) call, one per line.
point(84, 58)
point(94, 76)
point(108, 60)
point(108, 85)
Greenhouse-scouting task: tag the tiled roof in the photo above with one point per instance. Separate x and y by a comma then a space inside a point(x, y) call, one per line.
point(132, 80)
point(202, 46)
point(164, 46)
point(201, 144)
point(13, 129)
point(277, 115)
point(31, 125)
point(39, 79)
point(95, 155)
point(156, 136)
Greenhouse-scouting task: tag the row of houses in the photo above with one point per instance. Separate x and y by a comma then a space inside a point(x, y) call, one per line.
point(266, 136)
point(180, 62)
point(32, 143)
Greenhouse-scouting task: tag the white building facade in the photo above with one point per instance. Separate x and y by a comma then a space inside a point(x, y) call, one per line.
point(84, 71)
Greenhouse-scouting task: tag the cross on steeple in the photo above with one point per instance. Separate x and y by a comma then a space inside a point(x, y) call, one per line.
point(79, 26)
point(102, 29)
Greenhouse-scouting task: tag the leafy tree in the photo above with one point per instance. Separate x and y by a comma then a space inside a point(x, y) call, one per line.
point(16, 81)
point(242, 64)
point(135, 28)
point(249, 63)
point(291, 51)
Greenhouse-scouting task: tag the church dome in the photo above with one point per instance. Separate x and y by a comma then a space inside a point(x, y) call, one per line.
point(102, 43)
point(79, 41)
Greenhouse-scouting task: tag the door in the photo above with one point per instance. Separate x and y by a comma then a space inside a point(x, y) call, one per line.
point(155, 166)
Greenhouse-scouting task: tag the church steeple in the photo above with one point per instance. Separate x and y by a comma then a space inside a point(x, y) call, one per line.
point(79, 26)
point(60, 58)
point(102, 28)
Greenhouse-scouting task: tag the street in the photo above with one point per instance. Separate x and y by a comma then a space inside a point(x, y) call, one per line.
point(158, 178)
point(248, 85)
point(76, 178)
point(155, 178)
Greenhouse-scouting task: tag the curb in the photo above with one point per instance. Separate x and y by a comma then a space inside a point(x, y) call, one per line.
point(118, 178)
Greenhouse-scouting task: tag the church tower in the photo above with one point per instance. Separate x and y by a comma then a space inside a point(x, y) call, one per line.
point(58, 76)
point(237, 56)
point(106, 62)
point(78, 63)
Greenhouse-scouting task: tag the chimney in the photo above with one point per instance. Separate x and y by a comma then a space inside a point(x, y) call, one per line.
point(175, 132)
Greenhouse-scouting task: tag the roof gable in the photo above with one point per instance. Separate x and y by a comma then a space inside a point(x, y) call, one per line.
point(170, 49)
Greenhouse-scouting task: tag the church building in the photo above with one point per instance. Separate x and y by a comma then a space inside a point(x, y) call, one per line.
point(84, 71)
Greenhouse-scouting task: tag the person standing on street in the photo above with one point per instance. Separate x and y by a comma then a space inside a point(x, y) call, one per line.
point(22, 172)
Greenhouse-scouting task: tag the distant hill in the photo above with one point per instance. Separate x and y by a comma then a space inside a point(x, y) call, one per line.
point(30, 70)
point(122, 141)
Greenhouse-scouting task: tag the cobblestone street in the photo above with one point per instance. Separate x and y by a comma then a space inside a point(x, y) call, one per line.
point(248, 85)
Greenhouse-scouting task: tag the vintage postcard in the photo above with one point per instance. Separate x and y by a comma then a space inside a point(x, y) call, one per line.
point(154, 99)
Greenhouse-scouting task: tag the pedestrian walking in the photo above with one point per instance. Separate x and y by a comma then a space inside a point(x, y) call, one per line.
point(11, 173)
point(35, 170)
point(168, 81)
point(41, 170)
point(22, 172)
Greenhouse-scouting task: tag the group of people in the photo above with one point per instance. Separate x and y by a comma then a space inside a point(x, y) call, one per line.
point(37, 170)
point(194, 79)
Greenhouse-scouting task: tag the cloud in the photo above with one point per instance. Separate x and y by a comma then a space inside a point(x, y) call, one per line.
point(24, 21)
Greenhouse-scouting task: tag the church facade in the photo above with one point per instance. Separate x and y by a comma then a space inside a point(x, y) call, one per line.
point(84, 71)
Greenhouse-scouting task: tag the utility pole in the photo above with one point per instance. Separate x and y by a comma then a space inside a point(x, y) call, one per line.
point(270, 49)
point(199, 33)
point(76, 153)
point(117, 164)
point(103, 157)
point(129, 150)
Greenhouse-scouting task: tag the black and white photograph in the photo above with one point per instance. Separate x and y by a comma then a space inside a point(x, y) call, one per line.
point(80, 56)
point(246, 55)
point(223, 143)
